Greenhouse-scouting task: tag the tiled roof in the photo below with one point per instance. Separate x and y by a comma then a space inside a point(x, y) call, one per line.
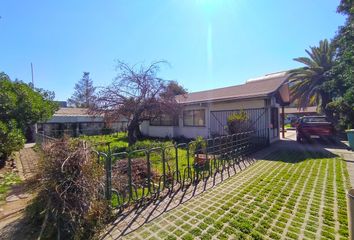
point(258, 87)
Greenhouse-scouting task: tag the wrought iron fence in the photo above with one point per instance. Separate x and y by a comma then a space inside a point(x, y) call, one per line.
point(144, 174)
point(147, 173)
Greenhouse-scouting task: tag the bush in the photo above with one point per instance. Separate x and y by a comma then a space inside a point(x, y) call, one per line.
point(238, 123)
point(11, 139)
point(70, 202)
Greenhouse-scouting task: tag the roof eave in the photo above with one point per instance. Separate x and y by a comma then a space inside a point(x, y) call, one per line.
point(263, 96)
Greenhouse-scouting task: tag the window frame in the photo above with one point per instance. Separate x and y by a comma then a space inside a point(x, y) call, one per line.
point(175, 122)
point(193, 118)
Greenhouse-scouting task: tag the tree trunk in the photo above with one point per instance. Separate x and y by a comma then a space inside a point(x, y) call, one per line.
point(325, 99)
point(138, 133)
point(132, 137)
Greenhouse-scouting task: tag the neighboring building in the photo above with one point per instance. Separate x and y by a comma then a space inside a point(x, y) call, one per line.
point(205, 113)
point(312, 110)
point(293, 113)
point(77, 121)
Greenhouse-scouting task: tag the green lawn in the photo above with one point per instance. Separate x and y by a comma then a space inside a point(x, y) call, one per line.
point(290, 194)
point(119, 143)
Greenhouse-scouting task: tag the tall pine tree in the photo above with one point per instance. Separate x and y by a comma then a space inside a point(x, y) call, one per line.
point(84, 95)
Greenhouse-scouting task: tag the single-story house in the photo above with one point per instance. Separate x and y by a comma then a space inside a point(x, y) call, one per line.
point(77, 121)
point(205, 113)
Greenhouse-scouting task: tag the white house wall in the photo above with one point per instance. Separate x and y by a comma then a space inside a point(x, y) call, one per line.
point(273, 136)
point(191, 131)
point(236, 105)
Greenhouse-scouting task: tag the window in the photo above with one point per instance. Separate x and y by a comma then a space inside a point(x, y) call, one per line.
point(165, 120)
point(194, 118)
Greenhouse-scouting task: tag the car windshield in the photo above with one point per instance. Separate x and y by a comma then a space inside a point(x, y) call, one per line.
point(314, 119)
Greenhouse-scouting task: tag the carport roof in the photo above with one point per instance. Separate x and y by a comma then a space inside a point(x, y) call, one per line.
point(259, 87)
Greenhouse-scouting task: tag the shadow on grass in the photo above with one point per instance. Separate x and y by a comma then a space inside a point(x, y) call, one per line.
point(294, 152)
point(144, 212)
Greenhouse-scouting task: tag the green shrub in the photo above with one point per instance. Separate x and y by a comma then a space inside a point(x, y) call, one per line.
point(238, 123)
point(11, 139)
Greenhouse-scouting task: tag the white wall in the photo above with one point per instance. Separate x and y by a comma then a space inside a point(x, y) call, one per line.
point(190, 131)
point(274, 134)
point(235, 105)
point(193, 132)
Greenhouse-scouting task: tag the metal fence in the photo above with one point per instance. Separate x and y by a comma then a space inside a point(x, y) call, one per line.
point(147, 173)
point(42, 139)
point(143, 174)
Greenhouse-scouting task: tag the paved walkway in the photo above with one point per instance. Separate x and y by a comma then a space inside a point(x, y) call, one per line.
point(27, 162)
point(21, 194)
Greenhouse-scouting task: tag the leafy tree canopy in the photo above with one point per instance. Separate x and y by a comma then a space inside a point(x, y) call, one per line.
point(330, 84)
point(342, 72)
point(27, 106)
point(308, 82)
point(20, 107)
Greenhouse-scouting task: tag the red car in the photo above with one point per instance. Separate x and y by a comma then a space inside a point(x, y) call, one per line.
point(314, 127)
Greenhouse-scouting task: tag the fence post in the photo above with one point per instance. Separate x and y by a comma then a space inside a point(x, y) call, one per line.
point(176, 152)
point(148, 170)
point(163, 168)
point(188, 161)
point(130, 182)
point(108, 174)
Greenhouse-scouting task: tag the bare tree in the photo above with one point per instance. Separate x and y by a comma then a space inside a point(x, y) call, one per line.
point(137, 94)
point(84, 95)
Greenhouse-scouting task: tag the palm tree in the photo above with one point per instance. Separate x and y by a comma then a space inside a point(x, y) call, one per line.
point(307, 83)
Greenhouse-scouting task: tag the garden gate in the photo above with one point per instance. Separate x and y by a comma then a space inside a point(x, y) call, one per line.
point(257, 121)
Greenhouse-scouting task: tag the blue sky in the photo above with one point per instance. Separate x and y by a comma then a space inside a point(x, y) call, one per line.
point(208, 43)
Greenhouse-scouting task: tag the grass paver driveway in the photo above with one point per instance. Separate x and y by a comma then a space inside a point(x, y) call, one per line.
point(292, 194)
